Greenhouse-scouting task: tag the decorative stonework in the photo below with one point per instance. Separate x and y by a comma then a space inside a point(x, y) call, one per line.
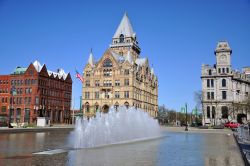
point(224, 91)
point(120, 77)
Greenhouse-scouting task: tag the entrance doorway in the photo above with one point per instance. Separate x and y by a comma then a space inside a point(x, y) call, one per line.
point(105, 109)
point(241, 118)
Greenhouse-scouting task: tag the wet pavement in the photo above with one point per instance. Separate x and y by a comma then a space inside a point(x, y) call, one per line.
point(176, 148)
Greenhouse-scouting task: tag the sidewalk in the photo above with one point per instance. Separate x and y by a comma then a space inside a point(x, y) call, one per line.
point(36, 129)
point(244, 146)
point(196, 130)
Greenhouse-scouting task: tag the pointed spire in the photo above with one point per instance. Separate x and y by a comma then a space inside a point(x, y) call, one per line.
point(152, 71)
point(124, 28)
point(91, 58)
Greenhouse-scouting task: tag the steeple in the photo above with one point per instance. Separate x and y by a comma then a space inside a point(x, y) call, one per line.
point(91, 59)
point(125, 39)
point(124, 28)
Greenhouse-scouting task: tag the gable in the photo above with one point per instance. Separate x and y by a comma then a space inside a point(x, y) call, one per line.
point(68, 78)
point(44, 71)
point(107, 55)
point(127, 65)
point(88, 67)
point(31, 70)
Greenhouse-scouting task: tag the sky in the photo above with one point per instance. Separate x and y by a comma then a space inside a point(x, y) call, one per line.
point(177, 36)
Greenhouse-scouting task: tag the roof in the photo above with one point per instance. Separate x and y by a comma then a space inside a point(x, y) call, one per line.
point(37, 66)
point(152, 71)
point(20, 70)
point(124, 28)
point(141, 61)
point(223, 46)
point(119, 58)
point(129, 58)
point(60, 72)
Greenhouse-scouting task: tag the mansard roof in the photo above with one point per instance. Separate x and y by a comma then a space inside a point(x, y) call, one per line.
point(223, 46)
point(124, 28)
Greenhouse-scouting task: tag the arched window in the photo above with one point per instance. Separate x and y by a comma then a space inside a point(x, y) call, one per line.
point(121, 38)
point(87, 107)
point(224, 112)
point(126, 104)
point(105, 109)
point(116, 106)
point(107, 63)
point(224, 83)
point(210, 72)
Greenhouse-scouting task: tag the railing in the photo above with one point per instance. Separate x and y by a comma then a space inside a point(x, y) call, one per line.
point(243, 133)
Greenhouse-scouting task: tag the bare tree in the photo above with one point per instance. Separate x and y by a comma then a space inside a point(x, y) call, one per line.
point(198, 97)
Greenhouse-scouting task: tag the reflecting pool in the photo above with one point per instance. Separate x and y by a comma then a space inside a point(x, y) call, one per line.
point(175, 148)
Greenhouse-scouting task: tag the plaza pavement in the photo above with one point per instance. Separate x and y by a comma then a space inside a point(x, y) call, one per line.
point(36, 129)
point(197, 130)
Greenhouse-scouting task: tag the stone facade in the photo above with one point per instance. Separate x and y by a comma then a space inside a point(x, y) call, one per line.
point(33, 91)
point(120, 77)
point(225, 92)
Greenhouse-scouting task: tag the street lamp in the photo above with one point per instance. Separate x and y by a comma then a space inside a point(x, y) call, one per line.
point(186, 129)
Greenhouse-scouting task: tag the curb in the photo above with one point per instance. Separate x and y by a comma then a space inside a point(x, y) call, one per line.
point(22, 130)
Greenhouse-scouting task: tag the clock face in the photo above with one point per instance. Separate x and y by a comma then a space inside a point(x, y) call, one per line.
point(223, 57)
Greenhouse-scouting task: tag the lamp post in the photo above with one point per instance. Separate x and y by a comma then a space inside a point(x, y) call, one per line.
point(186, 129)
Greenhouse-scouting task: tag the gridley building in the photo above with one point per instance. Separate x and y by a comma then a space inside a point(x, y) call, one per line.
point(225, 92)
point(120, 77)
point(28, 93)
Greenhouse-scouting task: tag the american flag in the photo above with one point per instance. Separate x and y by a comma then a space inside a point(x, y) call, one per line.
point(79, 76)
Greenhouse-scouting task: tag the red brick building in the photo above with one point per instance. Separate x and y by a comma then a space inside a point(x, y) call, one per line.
point(33, 92)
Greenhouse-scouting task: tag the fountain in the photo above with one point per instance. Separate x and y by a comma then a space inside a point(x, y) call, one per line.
point(115, 127)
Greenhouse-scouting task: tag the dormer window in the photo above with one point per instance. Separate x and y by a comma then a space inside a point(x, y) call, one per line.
point(121, 38)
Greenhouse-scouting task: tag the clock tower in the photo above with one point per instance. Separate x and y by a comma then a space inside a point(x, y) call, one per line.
point(223, 57)
point(124, 41)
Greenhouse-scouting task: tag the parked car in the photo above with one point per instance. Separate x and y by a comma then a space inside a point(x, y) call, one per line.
point(232, 125)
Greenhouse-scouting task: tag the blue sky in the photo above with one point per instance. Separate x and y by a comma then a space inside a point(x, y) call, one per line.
point(177, 36)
